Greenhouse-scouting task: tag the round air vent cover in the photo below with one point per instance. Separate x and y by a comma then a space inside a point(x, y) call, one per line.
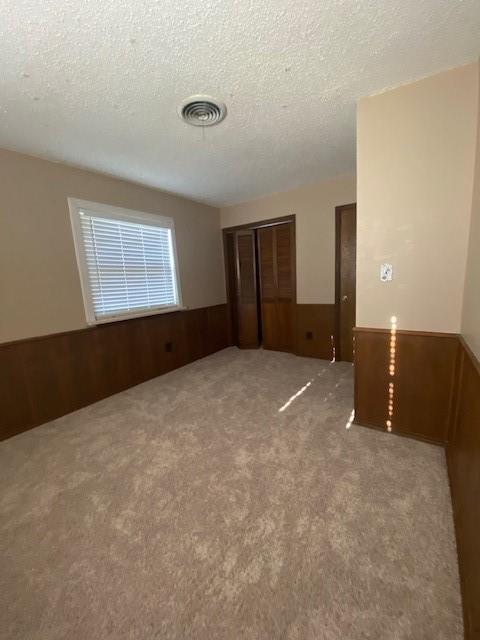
point(202, 111)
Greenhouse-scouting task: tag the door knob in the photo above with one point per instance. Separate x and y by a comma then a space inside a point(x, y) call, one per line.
point(344, 298)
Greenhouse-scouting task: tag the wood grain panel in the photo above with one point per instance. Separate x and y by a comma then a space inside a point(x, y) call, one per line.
point(423, 382)
point(284, 261)
point(345, 279)
point(267, 264)
point(46, 377)
point(276, 246)
point(231, 285)
point(463, 459)
point(246, 266)
point(315, 327)
point(436, 398)
point(14, 400)
point(247, 303)
point(278, 326)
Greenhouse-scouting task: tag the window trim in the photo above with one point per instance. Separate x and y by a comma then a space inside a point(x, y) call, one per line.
point(129, 215)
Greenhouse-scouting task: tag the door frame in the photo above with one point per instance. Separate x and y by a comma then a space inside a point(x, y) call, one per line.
point(259, 225)
point(338, 213)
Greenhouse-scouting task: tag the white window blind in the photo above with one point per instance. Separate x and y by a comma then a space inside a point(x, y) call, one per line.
point(127, 262)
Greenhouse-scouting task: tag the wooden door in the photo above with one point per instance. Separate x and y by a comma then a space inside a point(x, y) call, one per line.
point(346, 249)
point(246, 289)
point(231, 278)
point(276, 246)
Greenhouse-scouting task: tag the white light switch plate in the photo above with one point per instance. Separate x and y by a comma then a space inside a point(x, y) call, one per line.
point(386, 272)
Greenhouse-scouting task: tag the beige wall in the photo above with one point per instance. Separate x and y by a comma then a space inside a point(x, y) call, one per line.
point(314, 207)
point(471, 300)
point(415, 150)
point(39, 283)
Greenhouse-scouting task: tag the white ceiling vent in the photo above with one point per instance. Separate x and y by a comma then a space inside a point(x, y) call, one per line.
point(202, 111)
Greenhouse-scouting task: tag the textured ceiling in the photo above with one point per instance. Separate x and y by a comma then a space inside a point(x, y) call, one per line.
point(97, 83)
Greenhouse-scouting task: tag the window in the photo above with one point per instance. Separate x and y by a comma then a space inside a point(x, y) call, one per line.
point(127, 261)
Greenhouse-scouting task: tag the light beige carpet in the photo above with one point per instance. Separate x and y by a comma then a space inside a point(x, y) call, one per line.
point(193, 507)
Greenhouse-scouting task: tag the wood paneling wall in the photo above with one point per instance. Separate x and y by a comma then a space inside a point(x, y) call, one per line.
point(314, 329)
point(463, 460)
point(436, 390)
point(423, 381)
point(436, 398)
point(46, 377)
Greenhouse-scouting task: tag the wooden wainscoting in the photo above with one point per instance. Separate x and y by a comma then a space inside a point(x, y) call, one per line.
point(463, 460)
point(423, 381)
point(46, 377)
point(315, 325)
point(436, 397)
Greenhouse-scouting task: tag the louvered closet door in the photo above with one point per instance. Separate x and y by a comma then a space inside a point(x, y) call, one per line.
point(277, 286)
point(246, 289)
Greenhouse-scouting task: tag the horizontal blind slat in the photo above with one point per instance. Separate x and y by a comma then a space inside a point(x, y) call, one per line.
point(130, 265)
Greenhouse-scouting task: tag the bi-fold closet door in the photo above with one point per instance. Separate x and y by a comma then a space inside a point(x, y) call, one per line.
point(261, 277)
point(246, 289)
point(276, 249)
